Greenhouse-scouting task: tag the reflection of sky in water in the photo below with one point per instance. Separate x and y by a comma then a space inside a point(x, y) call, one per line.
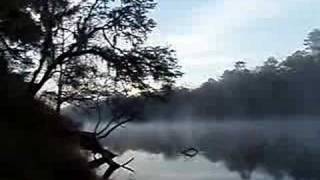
point(156, 167)
point(232, 150)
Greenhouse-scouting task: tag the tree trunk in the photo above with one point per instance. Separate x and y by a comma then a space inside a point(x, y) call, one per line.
point(59, 95)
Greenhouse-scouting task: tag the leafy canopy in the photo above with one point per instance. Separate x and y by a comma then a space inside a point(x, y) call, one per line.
point(85, 47)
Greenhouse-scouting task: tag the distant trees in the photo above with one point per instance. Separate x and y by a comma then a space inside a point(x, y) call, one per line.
point(313, 42)
point(276, 88)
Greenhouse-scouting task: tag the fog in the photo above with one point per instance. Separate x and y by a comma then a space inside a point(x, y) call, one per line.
point(277, 148)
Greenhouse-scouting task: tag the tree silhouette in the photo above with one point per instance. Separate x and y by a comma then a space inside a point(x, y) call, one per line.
point(287, 87)
point(81, 45)
point(75, 51)
point(313, 41)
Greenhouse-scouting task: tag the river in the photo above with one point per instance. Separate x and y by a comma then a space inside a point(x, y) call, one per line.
point(228, 150)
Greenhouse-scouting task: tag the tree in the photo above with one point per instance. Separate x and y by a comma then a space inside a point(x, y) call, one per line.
point(240, 66)
point(84, 43)
point(313, 42)
point(16, 23)
point(85, 50)
point(270, 65)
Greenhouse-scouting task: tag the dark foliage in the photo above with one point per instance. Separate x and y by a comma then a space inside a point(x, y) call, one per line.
point(36, 142)
point(276, 88)
point(64, 51)
point(85, 49)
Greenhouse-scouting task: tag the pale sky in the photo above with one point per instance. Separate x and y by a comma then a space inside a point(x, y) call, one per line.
point(210, 35)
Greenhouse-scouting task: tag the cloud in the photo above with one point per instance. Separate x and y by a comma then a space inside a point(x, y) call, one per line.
point(222, 32)
point(214, 25)
point(204, 51)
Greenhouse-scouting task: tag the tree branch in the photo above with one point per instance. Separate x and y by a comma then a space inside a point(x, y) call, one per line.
point(115, 127)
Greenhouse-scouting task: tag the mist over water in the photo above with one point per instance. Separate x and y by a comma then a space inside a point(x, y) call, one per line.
point(277, 149)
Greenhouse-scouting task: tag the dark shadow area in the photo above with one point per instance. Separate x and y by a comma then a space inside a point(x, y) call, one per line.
point(36, 142)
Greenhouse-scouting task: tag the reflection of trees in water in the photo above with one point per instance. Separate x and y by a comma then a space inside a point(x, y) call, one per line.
point(243, 152)
point(278, 158)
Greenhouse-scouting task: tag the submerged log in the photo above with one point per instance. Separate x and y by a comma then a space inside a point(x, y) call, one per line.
point(90, 142)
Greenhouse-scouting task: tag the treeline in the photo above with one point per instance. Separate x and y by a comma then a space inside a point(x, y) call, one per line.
point(276, 88)
point(290, 87)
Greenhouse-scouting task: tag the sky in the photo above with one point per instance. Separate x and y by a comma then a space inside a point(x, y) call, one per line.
point(211, 35)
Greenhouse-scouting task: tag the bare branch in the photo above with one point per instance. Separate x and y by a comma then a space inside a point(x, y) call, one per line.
point(113, 119)
point(115, 127)
point(128, 162)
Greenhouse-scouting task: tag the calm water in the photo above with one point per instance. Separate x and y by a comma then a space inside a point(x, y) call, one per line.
point(232, 150)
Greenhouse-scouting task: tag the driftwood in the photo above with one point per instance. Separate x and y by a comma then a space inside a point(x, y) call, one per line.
point(90, 141)
point(190, 152)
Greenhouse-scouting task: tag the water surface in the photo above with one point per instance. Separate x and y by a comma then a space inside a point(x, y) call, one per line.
point(231, 150)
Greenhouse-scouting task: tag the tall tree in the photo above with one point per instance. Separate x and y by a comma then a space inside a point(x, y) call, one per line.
point(313, 42)
point(85, 49)
point(83, 44)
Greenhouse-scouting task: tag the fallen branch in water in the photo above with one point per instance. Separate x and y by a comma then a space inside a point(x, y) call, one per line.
point(90, 142)
point(190, 152)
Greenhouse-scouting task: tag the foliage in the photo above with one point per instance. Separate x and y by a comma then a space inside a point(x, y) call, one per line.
point(83, 48)
point(277, 88)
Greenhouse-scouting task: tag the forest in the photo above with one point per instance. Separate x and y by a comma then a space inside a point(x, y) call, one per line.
point(277, 88)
